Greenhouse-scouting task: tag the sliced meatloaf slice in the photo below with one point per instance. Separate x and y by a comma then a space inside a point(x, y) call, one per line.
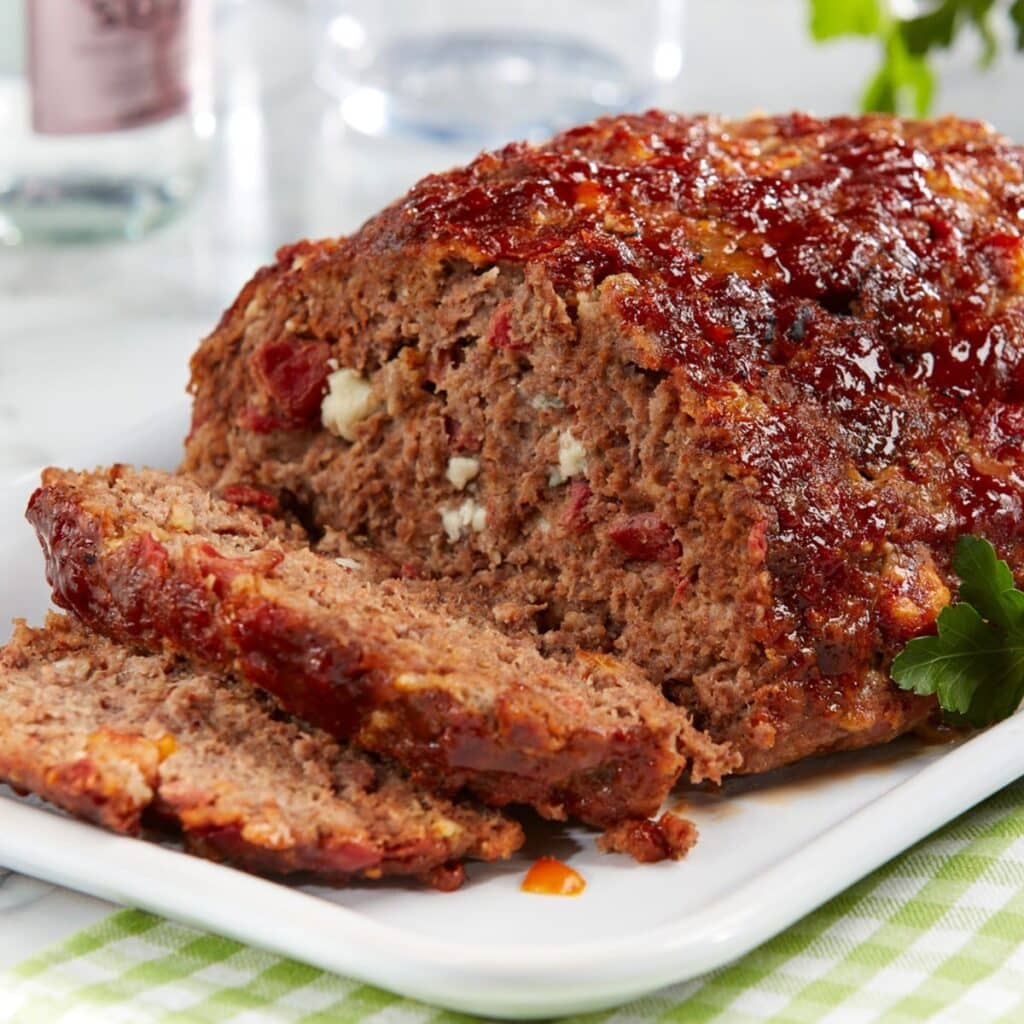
point(717, 396)
point(144, 556)
point(125, 738)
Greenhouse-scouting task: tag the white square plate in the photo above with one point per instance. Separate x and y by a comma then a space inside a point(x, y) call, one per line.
point(771, 849)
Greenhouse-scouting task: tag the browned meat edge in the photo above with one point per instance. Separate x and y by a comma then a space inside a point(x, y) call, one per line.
point(123, 738)
point(143, 556)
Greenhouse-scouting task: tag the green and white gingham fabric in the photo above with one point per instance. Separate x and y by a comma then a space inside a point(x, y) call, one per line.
point(935, 935)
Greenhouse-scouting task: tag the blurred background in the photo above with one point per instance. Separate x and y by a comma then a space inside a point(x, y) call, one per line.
point(133, 206)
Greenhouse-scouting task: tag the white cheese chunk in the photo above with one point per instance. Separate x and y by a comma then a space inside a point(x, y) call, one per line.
point(349, 400)
point(467, 516)
point(572, 460)
point(572, 456)
point(461, 470)
point(349, 563)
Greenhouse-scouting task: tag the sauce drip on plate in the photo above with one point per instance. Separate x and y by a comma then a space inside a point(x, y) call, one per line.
point(550, 877)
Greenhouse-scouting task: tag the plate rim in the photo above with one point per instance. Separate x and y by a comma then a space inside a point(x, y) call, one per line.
point(534, 982)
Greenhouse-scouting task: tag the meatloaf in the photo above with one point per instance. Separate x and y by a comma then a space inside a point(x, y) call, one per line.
point(143, 556)
point(125, 738)
point(717, 396)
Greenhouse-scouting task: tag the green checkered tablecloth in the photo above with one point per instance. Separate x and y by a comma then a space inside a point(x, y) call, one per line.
point(937, 934)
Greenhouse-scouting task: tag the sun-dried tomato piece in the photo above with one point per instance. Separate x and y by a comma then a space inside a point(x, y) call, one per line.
point(260, 421)
point(252, 497)
point(574, 517)
point(294, 374)
point(646, 537)
point(500, 335)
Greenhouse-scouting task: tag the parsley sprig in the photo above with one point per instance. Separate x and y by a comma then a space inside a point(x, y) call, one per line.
point(975, 663)
point(905, 79)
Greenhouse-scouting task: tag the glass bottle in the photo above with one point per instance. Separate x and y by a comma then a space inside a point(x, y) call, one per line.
point(105, 115)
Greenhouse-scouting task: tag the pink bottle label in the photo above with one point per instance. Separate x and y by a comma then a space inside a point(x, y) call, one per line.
point(107, 65)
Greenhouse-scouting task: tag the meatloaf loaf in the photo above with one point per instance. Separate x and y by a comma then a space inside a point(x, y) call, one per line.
point(717, 396)
point(125, 738)
point(145, 556)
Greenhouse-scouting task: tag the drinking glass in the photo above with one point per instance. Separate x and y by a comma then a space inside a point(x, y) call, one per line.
point(471, 70)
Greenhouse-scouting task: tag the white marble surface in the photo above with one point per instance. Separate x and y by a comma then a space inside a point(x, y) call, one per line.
point(94, 339)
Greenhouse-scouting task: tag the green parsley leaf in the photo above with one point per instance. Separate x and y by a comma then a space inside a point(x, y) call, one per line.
point(905, 80)
point(1017, 17)
point(937, 28)
point(880, 94)
point(975, 662)
point(902, 80)
point(979, 15)
point(987, 584)
point(934, 28)
point(850, 18)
